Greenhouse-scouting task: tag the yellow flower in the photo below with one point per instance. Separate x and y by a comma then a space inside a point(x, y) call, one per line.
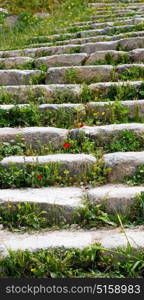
point(66, 172)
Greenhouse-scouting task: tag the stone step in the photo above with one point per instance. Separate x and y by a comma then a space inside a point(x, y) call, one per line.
point(61, 60)
point(63, 201)
point(38, 52)
point(101, 25)
point(35, 137)
point(113, 4)
point(100, 17)
point(88, 74)
point(137, 55)
point(75, 164)
point(107, 28)
point(80, 74)
point(12, 62)
point(66, 107)
point(101, 56)
point(105, 134)
point(118, 15)
point(116, 198)
point(128, 43)
point(58, 37)
point(123, 164)
point(93, 38)
point(56, 202)
point(46, 93)
point(18, 77)
point(108, 238)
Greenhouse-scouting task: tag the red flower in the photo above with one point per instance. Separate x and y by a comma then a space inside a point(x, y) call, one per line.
point(82, 125)
point(39, 176)
point(66, 145)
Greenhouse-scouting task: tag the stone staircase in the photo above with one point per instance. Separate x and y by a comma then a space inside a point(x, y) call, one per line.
point(83, 76)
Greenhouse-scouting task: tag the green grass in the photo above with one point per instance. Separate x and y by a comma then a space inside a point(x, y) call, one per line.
point(62, 16)
point(126, 141)
point(137, 178)
point(93, 262)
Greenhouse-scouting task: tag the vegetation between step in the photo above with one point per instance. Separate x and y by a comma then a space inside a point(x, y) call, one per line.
point(124, 91)
point(94, 261)
point(75, 117)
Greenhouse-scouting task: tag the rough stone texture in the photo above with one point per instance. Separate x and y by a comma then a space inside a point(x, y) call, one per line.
point(101, 55)
point(36, 52)
point(24, 92)
point(45, 240)
point(137, 55)
point(36, 136)
point(62, 60)
point(4, 11)
point(91, 32)
point(109, 238)
point(8, 134)
point(76, 164)
point(116, 198)
point(99, 46)
point(42, 15)
point(113, 5)
point(88, 39)
point(55, 201)
point(10, 106)
point(83, 73)
point(135, 238)
point(14, 61)
point(17, 77)
point(103, 109)
point(105, 134)
point(123, 164)
point(67, 107)
point(132, 43)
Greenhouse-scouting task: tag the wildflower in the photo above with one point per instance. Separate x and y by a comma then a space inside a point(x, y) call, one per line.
point(66, 145)
point(39, 176)
point(82, 125)
point(66, 172)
